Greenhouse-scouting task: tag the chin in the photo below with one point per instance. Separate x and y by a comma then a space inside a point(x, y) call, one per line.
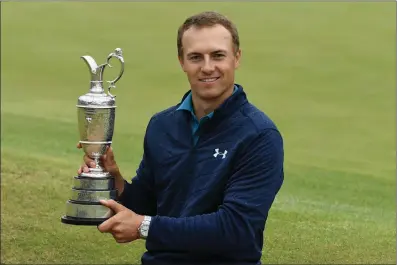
point(210, 93)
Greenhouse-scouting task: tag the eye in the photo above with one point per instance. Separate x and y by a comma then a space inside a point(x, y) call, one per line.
point(219, 56)
point(194, 58)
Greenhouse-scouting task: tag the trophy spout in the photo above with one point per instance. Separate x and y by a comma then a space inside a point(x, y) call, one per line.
point(96, 84)
point(98, 70)
point(96, 74)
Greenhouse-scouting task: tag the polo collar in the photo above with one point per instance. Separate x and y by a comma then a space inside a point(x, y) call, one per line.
point(187, 104)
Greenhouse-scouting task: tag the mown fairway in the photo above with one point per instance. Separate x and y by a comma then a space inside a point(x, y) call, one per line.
point(325, 72)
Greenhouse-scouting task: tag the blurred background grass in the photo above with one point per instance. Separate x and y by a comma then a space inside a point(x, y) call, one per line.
point(324, 72)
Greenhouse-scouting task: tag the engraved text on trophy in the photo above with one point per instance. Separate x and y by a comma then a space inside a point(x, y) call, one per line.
point(96, 127)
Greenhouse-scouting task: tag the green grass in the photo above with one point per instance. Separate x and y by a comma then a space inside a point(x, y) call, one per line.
point(325, 72)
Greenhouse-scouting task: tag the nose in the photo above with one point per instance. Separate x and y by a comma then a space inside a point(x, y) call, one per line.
point(208, 66)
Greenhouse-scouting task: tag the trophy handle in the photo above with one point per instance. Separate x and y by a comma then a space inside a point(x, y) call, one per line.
point(119, 55)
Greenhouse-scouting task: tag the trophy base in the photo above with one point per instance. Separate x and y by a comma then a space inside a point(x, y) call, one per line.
point(86, 213)
point(82, 221)
point(84, 207)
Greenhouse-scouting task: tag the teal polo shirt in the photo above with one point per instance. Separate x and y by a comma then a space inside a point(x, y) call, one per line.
point(187, 104)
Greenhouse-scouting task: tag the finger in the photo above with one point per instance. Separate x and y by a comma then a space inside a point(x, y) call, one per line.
point(85, 169)
point(109, 152)
point(103, 158)
point(113, 205)
point(88, 161)
point(107, 226)
point(79, 145)
point(120, 237)
point(122, 241)
point(82, 169)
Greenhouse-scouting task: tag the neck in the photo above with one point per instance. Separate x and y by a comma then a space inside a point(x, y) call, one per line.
point(203, 107)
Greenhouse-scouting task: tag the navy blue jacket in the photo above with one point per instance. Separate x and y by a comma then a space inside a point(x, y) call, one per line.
point(209, 200)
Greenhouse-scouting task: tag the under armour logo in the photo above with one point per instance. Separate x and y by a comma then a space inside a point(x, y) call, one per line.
point(219, 153)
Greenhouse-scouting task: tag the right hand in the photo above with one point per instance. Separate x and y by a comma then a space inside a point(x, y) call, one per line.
point(107, 161)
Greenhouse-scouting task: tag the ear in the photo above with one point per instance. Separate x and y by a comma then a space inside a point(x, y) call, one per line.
point(180, 58)
point(237, 59)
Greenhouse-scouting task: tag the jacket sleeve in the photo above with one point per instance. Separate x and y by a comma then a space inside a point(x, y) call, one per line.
point(249, 194)
point(139, 195)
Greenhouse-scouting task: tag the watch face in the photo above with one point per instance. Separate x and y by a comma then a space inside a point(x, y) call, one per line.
point(144, 229)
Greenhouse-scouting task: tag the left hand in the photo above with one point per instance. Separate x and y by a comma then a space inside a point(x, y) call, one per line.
point(123, 225)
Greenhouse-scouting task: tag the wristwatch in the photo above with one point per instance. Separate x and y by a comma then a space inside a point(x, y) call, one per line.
point(144, 227)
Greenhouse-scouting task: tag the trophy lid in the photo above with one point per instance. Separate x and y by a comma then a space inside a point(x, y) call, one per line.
point(96, 97)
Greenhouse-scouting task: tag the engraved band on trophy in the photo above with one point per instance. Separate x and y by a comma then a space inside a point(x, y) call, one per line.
point(96, 119)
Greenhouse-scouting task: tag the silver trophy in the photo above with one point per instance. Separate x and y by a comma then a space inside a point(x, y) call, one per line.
point(96, 120)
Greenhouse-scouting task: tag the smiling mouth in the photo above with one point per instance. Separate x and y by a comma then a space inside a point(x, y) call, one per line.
point(208, 80)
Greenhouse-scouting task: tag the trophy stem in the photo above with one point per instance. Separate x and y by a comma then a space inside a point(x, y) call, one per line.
point(99, 168)
point(97, 164)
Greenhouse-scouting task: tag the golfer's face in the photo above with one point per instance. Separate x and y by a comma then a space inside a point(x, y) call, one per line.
point(209, 60)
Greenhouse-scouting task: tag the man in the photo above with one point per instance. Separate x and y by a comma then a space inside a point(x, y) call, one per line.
point(212, 164)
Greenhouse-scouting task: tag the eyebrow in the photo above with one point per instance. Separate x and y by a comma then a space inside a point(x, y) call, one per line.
point(214, 52)
point(219, 51)
point(192, 53)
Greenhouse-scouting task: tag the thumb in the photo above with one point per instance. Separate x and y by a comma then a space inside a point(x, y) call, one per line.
point(108, 155)
point(113, 205)
point(109, 152)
